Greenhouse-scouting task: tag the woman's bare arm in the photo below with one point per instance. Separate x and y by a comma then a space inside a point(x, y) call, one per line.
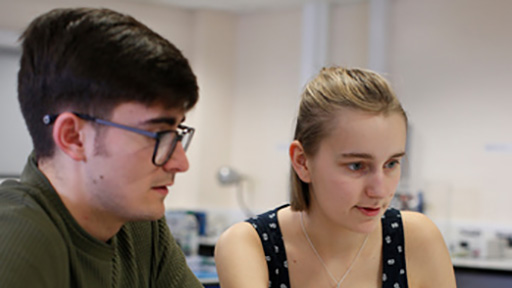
point(428, 260)
point(240, 259)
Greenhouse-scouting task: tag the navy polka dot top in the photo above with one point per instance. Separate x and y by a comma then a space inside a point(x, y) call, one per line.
point(393, 267)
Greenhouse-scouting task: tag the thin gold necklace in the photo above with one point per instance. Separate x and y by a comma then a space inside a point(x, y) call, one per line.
point(338, 283)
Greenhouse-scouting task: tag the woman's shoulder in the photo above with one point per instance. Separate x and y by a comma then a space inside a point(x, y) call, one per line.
point(250, 229)
point(266, 219)
point(426, 252)
point(421, 234)
point(239, 231)
point(239, 253)
point(418, 226)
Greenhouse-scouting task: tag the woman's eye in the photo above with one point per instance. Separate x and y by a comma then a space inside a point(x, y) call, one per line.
point(355, 166)
point(392, 164)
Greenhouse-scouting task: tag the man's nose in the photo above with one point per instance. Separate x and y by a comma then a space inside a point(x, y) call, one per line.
point(178, 161)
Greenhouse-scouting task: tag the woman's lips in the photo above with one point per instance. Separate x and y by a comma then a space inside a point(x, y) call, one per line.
point(368, 211)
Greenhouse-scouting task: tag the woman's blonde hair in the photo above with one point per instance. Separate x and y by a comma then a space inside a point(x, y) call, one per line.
point(334, 88)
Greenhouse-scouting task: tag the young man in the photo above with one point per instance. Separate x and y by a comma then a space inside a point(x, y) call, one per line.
point(104, 99)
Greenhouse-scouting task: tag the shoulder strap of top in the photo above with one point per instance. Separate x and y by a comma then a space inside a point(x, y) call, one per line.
point(393, 251)
point(267, 226)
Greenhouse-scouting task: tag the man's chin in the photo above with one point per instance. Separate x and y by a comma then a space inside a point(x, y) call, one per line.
point(155, 214)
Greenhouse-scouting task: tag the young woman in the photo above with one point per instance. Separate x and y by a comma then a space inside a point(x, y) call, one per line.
point(338, 230)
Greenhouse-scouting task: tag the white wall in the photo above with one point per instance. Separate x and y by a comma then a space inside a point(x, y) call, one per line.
point(450, 64)
point(349, 35)
point(213, 60)
point(449, 61)
point(15, 143)
point(266, 99)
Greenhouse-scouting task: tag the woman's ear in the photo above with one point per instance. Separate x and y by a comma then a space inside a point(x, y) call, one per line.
point(68, 134)
point(299, 161)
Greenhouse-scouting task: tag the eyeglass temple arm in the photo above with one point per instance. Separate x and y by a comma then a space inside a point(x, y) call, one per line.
point(108, 123)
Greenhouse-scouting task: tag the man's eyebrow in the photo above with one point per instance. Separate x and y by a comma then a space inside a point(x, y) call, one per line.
point(162, 120)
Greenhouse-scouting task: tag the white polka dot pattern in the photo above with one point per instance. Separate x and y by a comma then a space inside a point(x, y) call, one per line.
point(394, 270)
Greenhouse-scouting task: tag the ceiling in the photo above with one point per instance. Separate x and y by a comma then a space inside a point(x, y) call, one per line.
point(240, 5)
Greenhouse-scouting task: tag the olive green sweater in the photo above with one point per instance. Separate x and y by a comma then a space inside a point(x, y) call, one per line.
point(41, 245)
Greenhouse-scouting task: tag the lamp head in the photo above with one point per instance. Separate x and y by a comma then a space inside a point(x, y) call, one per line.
point(227, 176)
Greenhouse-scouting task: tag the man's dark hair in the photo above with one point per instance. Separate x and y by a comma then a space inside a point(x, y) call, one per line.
point(91, 60)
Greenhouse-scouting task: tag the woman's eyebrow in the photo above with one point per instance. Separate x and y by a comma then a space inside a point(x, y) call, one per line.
point(398, 155)
point(368, 156)
point(357, 155)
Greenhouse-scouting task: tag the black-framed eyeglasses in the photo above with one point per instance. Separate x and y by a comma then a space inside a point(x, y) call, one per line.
point(165, 144)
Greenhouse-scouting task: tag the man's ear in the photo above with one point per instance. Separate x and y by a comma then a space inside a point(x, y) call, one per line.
point(299, 161)
point(68, 135)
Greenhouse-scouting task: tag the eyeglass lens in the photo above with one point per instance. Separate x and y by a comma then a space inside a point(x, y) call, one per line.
point(167, 145)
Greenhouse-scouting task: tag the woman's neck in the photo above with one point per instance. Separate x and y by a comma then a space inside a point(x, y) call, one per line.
point(329, 237)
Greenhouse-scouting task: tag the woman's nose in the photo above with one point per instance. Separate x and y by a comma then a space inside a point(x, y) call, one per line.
point(375, 186)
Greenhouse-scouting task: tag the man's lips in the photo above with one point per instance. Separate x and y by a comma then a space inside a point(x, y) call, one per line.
point(161, 189)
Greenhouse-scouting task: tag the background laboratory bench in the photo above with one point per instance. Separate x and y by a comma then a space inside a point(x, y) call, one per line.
point(478, 273)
